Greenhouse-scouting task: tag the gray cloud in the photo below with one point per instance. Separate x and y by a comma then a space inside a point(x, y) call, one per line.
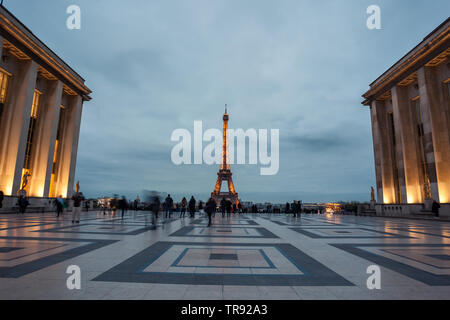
point(298, 66)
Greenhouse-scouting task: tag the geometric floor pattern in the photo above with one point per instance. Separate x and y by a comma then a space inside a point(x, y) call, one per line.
point(248, 257)
point(223, 264)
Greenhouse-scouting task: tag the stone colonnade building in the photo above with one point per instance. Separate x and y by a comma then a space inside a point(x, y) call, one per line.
point(41, 102)
point(409, 106)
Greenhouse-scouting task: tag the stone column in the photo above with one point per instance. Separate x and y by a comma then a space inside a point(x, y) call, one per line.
point(384, 150)
point(399, 152)
point(434, 126)
point(407, 132)
point(376, 138)
point(3, 177)
point(16, 122)
point(77, 112)
point(436, 133)
point(69, 147)
point(45, 139)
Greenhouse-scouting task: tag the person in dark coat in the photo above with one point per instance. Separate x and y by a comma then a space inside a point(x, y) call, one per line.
point(123, 204)
point(169, 206)
point(192, 207)
point(78, 199)
point(155, 204)
point(294, 208)
point(59, 207)
point(183, 207)
point(209, 209)
point(229, 206)
point(435, 208)
point(223, 206)
point(287, 208)
point(23, 204)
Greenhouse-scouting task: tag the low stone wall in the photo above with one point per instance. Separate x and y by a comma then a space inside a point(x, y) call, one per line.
point(37, 205)
point(409, 210)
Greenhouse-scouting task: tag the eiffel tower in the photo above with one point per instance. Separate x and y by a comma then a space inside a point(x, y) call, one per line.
point(224, 173)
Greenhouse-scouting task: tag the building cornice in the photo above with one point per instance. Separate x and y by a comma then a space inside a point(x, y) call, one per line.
point(22, 38)
point(435, 44)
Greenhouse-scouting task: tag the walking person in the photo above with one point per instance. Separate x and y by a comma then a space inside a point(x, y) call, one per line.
point(229, 205)
point(192, 207)
point(294, 208)
point(155, 204)
point(123, 205)
point(183, 207)
point(209, 208)
point(59, 207)
point(435, 208)
point(223, 206)
point(78, 199)
point(169, 206)
point(287, 208)
point(23, 204)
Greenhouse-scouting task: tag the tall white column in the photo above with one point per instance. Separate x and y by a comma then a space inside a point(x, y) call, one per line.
point(404, 112)
point(377, 151)
point(69, 146)
point(16, 122)
point(77, 112)
point(384, 149)
point(45, 139)
point(434, 110)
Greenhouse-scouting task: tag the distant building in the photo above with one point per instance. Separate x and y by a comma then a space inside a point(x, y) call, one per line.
point(409, 106)
point(41, 102)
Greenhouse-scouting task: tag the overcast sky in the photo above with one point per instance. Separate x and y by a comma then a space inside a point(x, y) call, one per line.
point(299, 66)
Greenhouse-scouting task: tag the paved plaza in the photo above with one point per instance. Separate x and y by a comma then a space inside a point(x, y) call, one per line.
point(240, 257)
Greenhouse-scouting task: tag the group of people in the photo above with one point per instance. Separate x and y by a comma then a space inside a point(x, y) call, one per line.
point(295, 208)
point(226, 206)
point(168, 206)
point(186, 205)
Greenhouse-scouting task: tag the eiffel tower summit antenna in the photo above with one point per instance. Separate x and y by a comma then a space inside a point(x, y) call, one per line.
point(224, 173)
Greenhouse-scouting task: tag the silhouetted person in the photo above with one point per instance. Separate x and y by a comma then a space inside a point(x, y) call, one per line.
point(223, 206)
point(239, 208)
point(435, 208)
point(229, 206)
point(59, 207)
point(183, 207)
point(23, 204)
point(287, 208)
point(77, 198)
point(2, 196)
point(294, 208)
point(155, 204)
point(123, 205)
point(169, 206)
point(192, 207)
point(209, 208)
